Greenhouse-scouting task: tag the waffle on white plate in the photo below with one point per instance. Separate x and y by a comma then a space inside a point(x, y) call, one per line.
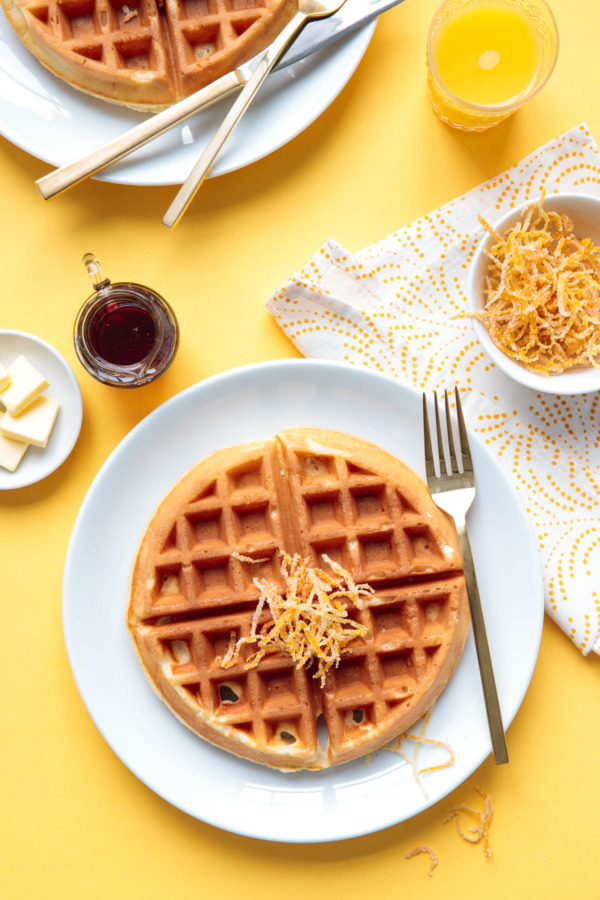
point(217, 558)
point(145, 54)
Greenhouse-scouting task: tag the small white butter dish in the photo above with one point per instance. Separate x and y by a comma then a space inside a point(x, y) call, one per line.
point(39, 462)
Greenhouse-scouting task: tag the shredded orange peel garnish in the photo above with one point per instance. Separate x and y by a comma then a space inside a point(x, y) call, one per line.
point(420, 739)
point(473, 835)
point(480, 831)
point(543, 293)
point(423, 849)
point(433, 743)
point(309, 619)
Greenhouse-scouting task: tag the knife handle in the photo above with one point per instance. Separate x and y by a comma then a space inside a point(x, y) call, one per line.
point(66, 176)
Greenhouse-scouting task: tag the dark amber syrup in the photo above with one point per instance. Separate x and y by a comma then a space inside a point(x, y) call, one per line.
point(123, 335)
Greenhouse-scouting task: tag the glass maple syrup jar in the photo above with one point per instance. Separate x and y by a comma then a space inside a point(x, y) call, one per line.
point(125, 334)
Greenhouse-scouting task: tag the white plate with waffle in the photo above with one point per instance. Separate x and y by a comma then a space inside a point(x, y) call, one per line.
point(355, 798)
point(58, 124)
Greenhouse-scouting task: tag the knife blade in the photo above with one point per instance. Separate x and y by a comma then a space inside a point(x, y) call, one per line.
point(352, 15)
point(315, 36)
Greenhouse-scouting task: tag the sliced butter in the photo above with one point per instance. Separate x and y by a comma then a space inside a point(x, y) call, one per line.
point(26, 383)
point(34, 424)
point(4, 377)
point(11, 452)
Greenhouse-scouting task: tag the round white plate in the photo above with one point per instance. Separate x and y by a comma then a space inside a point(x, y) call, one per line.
point(58, 124)
point(39, 462)
point(243, 405)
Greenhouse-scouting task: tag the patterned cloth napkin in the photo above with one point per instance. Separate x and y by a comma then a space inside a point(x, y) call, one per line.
point(390, 307)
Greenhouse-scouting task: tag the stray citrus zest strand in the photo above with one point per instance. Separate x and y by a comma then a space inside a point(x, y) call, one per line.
point(309, 620)
point(420, 739)
point(226, 661)
point(424, 722)
point(423, 849)
point(543, 293)
point(423, 740)
point(478, 832)
point(248, 559)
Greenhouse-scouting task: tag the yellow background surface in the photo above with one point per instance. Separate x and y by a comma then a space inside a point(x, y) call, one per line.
point(75, 823)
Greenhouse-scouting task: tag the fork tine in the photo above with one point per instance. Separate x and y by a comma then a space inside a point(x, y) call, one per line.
point(465, 450)
point(438, 432)
point(429, 464)
point(453, 462)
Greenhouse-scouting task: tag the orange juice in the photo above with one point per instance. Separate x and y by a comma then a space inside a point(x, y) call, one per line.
point(487, 57)
point(487, 52)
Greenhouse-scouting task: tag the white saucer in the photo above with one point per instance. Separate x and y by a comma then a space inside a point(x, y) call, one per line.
point(39, 462)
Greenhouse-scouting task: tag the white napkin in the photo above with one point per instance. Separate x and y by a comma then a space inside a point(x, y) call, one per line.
point(389, 307)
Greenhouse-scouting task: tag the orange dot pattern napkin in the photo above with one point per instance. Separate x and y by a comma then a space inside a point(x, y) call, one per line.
point(391, 306)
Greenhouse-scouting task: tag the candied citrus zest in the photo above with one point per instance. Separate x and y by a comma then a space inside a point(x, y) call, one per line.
point(424, 723)
point(248, 559)
point(543, 293)
point(480, 831)
point(424, 740)
point(420, 739)
point(309, 619)
point(227, 660)
point(423, 849)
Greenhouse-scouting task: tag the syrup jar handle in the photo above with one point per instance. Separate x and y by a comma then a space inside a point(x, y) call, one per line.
point(95, 271)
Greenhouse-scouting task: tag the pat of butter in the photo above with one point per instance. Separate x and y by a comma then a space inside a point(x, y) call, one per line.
point(26, 384)
point(34, 424)
point(4, 377)
point(11, 452)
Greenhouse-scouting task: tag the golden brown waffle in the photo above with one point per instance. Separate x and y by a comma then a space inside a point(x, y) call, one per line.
point(145, 53)
point(311, 492)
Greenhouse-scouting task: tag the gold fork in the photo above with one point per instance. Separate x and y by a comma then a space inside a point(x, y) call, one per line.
point(453, 491)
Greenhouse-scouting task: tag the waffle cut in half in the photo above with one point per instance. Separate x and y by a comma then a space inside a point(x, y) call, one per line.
point(145, 54)
point(333, 502)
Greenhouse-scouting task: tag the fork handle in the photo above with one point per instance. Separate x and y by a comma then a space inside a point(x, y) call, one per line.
point(490, 694)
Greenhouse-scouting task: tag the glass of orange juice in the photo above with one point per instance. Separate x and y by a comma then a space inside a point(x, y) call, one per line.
point(486, 58)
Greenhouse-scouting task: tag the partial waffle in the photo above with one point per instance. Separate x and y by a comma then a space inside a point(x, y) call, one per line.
point(314, 493)
point(145, 54)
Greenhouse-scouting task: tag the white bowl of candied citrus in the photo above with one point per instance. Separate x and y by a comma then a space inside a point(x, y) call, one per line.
point(534, 293)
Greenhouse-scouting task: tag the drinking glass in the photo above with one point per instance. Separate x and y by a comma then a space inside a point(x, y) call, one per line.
point(486, 58)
